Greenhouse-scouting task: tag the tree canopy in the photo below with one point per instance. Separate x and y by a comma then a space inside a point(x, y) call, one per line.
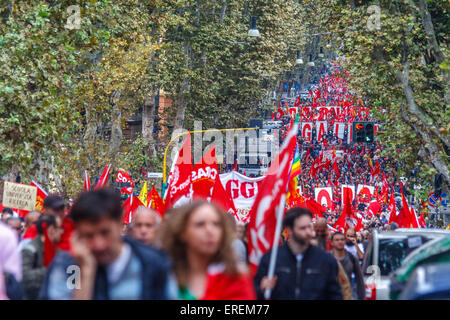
point(66, 93)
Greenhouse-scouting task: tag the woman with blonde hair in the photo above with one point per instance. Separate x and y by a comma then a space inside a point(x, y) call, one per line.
point(198, 238)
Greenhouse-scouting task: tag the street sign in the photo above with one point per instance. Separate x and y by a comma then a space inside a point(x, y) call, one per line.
point(432, 200)
point(445, 200)
point(154, 175)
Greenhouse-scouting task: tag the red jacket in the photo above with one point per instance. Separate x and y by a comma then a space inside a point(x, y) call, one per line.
point(68, 227)
point(64, 244)
point(220, 286)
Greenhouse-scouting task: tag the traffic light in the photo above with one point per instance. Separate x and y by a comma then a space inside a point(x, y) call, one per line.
point(369, 133)
point(363, 132)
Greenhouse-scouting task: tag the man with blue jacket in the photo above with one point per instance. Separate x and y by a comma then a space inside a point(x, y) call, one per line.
point(102, 264)
point(303, 271)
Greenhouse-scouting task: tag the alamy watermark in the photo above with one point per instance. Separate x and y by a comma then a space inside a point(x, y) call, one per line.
point(74, 279)
point(374, 20)
point(375, 277)
point(74, 20)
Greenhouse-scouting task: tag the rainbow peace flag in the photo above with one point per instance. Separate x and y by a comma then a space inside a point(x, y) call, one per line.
point(296, 167)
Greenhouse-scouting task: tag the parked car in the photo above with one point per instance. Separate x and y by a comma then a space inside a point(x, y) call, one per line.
point(414, 265)
point(428, 282)
point(385, 253)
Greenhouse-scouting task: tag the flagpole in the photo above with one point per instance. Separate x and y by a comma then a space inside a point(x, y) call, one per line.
point(273, 254)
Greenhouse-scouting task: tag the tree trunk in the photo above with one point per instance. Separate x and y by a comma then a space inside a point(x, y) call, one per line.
point(181, 103)
point(429, 30)
point(222, 13)
point(148, 122)
point(116, 129)
point(11, 176)
point(432, 41)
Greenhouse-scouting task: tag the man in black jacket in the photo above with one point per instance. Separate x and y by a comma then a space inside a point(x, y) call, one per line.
point(303, 271)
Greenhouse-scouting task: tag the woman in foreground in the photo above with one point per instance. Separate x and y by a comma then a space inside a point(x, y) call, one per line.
point(198, 237)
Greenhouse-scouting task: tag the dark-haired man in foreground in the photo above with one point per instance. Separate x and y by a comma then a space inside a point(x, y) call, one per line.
point(111, 267)
point(303, 271)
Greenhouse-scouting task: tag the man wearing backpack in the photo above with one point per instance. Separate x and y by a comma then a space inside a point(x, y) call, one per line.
point(350, 265)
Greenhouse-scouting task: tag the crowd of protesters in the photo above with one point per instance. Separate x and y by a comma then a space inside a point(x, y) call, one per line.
point(195, 252)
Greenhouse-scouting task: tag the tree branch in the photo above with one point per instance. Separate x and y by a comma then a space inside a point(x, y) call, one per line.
point(430, 146)
point(429, 30)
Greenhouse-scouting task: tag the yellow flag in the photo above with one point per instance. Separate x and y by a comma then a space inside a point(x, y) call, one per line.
point(143, 194)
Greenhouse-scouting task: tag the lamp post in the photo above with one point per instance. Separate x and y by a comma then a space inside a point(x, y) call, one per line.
point(321, 55)
point(311, 62)
point(254, 32)
point(299, 58)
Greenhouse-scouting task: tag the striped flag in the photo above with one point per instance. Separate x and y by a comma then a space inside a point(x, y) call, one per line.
point(87, 183)
point(104, 178)
point(296, 166)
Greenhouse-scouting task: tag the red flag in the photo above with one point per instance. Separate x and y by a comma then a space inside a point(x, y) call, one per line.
point(377, 196)
point(280, 114)
point(374, 170)
point(346, 219)
point(422, 222)
point(307, 154)
point(413, 218)
point(316, 165)
point(385, 190)
point(403, 218)
point(319, 167)
point(316, 209)
point(123, 176)
point(359, 224)
point(377, 168)
point(87, 183)
point(179, 187)
point(374, 208)
point(391, 209)
point(104, 178)
point(129, 207)
point(40, 196)
point(204, 175)
point(221, 198)
point(273, 116)
point(235, 166)
point(155, 201)
point(268, 207)
point(336, 169)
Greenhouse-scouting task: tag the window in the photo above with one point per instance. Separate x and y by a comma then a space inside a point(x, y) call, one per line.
point(393, 251)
